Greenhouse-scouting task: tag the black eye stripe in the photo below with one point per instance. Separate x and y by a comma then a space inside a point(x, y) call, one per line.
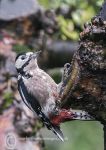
point(23, 57)
point(19, 55)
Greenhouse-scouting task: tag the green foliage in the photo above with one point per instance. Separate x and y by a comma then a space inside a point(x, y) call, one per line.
point(83, 11)
point(20, 48)
point(67, 29)
point(78, 3)
point(8, 99)
point(45, 3)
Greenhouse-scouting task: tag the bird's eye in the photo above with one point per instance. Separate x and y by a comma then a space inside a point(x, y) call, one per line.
point(68, 65)
point(23, 57)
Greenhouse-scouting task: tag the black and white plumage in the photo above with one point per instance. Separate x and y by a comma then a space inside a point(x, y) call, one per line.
point(40, 93)
point(37, 89)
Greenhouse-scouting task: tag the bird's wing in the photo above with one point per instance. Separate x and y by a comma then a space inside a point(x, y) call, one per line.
point(34, 105)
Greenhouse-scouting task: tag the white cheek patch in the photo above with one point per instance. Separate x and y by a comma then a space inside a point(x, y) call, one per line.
point(19, 63)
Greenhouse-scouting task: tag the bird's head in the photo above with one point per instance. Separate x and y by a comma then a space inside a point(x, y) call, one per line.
point(26, 59)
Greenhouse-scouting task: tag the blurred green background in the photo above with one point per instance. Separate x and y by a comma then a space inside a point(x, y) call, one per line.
point(79, 135)
point(80, 11)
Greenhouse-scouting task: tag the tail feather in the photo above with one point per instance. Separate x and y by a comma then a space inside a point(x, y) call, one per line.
point(55, 129)
point(58, 132)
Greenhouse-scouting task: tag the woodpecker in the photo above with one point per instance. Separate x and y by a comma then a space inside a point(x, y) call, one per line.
point(40, 93)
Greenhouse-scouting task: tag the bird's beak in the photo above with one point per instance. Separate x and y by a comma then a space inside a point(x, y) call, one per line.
point(35, 55)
